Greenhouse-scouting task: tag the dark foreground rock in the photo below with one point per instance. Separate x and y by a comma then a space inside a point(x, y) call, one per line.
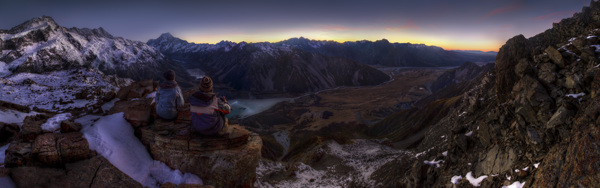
point(49, 149)
point(223, 161)
point(94, 172)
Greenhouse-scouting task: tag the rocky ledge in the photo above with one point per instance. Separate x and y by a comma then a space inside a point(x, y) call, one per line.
point(62, 157)
point(229, 160)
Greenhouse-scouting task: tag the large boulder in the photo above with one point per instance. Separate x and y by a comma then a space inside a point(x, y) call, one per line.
point(496, 161)
point(32, 126)
point(137, 89)
point(222, 161)
point(137, 112)
point(49, 149)
point(18, 154)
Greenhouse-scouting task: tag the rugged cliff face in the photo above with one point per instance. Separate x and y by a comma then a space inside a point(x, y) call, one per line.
point(533, 121)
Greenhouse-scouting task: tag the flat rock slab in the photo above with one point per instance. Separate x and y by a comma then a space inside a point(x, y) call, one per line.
point(221, 161)
point(169, 134)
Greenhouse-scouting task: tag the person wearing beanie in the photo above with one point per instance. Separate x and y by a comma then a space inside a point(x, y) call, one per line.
point(169, 97)
point(207, 110)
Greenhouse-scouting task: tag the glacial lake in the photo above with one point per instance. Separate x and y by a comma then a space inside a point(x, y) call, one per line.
point(247, 107)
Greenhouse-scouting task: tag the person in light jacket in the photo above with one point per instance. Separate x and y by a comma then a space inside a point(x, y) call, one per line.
point(168, 97)
point(207, 110)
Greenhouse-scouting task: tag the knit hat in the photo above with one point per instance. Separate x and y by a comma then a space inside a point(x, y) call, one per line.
point(169, 75)
point(206, 85)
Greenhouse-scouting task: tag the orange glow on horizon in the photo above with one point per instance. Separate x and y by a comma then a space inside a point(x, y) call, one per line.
point(443, 44)
point(409, 33)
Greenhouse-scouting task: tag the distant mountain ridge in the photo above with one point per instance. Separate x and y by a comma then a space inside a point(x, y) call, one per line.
point(40, 45)
point(265, 69)
point(300, 65)
point(380, 52)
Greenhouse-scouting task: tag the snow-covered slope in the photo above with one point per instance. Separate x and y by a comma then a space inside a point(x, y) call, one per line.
point(113, 138)
point(41, 45)
point(59, 90)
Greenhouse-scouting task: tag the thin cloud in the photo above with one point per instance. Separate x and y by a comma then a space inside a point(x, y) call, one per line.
point(338, 28)
point(555, 15)
point(408, 25)
point(501, 10)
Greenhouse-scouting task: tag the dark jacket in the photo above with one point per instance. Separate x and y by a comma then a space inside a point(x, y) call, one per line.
point(208, 113)
point(168, 99)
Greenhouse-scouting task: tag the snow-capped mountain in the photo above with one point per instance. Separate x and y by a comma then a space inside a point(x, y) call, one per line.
point(266, 69)
point(380, 52)
point(41, 45)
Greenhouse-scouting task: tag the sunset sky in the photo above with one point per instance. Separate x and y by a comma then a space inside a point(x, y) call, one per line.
point(465, 25)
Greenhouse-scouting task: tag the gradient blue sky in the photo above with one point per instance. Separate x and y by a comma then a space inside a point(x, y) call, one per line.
point(466, 24)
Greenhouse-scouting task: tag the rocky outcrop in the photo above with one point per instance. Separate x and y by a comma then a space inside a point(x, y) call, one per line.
point(515, 50)
point(32, 126)
point(137, 112)
point(465, 72)
point(137, 90)
point(222, 161)
point(536, 123)
point(49, 149)
point(94, 172)
point(137, 108)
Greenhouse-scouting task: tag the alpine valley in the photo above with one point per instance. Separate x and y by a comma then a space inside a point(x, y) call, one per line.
point(77, 110)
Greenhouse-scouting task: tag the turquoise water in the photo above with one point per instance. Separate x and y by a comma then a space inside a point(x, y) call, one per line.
point(242, 108)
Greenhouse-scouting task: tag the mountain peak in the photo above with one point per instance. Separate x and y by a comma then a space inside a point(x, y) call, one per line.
point(166, 36)
point(35, 23)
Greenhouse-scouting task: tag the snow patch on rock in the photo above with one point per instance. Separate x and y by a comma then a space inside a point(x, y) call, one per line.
point(475, 181)
point(53, 124)
point(12, 116)
point(56, 91)
point(3, 154)
point(515, 184)
point(113, 138)
point(283, 139)
point(455, 179)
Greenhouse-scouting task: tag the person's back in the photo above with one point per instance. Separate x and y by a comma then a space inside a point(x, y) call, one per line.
point(207, 111)
point(168, 97)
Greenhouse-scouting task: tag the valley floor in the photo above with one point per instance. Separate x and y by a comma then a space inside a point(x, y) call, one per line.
point(319, 139)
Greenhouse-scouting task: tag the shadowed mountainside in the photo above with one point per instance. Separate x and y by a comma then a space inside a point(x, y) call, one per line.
point(533, 120)
point(263, 70)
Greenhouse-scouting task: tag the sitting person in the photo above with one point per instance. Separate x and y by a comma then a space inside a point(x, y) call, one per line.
point(168, 97)
point(207, 111)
